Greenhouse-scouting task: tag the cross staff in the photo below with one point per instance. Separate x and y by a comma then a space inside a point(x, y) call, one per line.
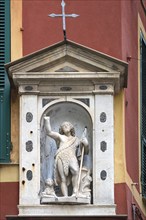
point(63, 15)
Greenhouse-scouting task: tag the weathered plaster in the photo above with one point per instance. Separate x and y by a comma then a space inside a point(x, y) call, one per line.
point(14, 126)
point(9, 173)
point(16, 52)
point(16, 29)
point(119, 133)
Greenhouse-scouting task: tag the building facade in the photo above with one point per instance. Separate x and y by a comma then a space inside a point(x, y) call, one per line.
point(115, 28)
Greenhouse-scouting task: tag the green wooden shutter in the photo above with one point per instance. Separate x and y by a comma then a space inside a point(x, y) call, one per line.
point(4, 82)
point(143, 117)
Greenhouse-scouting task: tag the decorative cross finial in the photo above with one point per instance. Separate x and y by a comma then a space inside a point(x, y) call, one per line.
point(63, 15)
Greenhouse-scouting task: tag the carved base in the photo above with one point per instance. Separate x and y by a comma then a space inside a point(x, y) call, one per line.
point(66, 210)
point(65, 200)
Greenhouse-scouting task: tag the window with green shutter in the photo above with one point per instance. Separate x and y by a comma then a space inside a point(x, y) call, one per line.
point(143, 117)
point(4, 82)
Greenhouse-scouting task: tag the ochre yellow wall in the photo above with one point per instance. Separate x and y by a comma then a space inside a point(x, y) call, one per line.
point(16, 52)
point(9, 173)
point(119, 131)
point(16, 26)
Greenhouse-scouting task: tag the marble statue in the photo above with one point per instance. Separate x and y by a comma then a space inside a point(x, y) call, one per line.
point(68, 163)
point(49, 190)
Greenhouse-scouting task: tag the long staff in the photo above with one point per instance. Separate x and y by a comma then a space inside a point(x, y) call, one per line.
point(82, 157)
point(80, 170)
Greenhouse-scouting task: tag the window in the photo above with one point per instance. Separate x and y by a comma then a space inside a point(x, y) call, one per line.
point(143, 116)
point(4, 82)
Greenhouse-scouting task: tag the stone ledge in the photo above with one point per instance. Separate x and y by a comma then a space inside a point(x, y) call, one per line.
point(65, 200)
point(67, 210)
point(115, 217)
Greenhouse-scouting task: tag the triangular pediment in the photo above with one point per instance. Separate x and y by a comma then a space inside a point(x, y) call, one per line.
point(66, 69)
point(70, 57)
point(69, 54)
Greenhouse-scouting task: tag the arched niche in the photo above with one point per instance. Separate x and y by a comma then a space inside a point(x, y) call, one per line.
point(80, 118)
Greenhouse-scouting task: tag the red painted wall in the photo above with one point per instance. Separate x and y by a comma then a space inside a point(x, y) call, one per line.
point(8, 199)
point(120, 198)
point(98, 25)
point(130, 48)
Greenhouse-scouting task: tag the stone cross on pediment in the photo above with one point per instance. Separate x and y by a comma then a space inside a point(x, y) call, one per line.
point(63, 15)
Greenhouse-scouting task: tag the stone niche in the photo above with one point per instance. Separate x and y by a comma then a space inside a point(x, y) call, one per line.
point(67, 82)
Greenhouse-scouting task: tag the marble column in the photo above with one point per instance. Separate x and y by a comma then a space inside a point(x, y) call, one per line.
point(103, 151)
point(29, 152)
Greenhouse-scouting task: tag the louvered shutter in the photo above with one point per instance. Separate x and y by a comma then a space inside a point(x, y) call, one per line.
point(4, 82)
point(143, 118)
